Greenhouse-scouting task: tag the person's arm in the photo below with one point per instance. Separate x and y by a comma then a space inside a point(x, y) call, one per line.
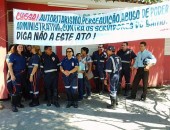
point(132, 58)
point(74, 69)
point(35, 63)
point(34, 70)
point(135, 65)
point(63, 71)
point(11, 71)
point(90, 67)
point(108, 70)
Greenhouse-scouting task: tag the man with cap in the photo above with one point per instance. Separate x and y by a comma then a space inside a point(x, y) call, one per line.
point(144, 60)
point(126, 55)
point(99, 57)
point(113, 67)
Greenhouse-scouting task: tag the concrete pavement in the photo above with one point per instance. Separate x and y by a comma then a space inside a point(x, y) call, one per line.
point(153, 114)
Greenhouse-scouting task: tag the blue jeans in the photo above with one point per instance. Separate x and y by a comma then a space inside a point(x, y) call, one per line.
point(114, 82)
point(80, 88)
point(87, 86)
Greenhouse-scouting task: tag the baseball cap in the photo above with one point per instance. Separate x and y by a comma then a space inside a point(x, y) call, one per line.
point(111, 48)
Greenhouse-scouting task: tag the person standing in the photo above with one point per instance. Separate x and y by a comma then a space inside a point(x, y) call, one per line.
point(113, 67)
point(17, 65)
point(86, 59)
point(51, 73)
point(127, 56)
point(34, 75)
point(99, 57)
point(81, 70)
point(69, 67)
point(144, 60)
point(11, 50)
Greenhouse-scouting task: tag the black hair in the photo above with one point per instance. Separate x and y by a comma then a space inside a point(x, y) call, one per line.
point(85, 49)
point(71, 50)
point(10, 46)
point(78, 54)
point(46, 47)
point(144, 43)
point(126, 43)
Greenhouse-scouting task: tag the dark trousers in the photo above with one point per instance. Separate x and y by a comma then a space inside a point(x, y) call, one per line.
point(80, 88)
point(140, 74)
point(51, 84)
point(114, 80)
point(34, 86)
point(99, 79)
point(15, 87)
point(70, 83)
point(126, 72)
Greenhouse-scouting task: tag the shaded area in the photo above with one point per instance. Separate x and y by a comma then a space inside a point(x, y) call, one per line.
point(92, 114)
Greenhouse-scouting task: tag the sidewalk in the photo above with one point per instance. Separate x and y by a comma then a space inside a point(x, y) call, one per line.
point(92, 114)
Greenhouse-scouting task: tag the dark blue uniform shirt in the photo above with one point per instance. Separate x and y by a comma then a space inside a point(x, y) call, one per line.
point(126, 57)
point(50, 62)
point(19, 62)
point(69, 64)
point(113, 64)
point(34, 61)
point(99, 59)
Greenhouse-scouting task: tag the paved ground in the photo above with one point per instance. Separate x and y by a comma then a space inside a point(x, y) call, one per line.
point(153, 114)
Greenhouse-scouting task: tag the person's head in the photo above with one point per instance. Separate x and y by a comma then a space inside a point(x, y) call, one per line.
point(36, 50)
point(48, 50)
point(100, 47)
point(69, 52)
point(84, 50)
point(110, 50)
point(78, 55)
point(18, 48)
point(142, 46)
point(28, 47)
point(11, 48)
point(124, 46)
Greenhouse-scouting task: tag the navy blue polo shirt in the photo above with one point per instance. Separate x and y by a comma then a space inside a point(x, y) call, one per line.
point(126, 56)
point(69, 64)
point(33, 61)
point(99, 59)
point(50, 61)
point(19, 62)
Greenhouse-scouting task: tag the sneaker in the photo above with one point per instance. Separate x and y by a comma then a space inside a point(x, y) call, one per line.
point(88, 97)
point(110, 106)
point(85, 95)
point(101, 93)
point(142, 99)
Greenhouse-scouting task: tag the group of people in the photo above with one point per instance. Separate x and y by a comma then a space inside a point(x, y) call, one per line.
point(105, 66)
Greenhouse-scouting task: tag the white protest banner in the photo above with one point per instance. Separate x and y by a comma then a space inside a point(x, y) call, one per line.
point(91, 26)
